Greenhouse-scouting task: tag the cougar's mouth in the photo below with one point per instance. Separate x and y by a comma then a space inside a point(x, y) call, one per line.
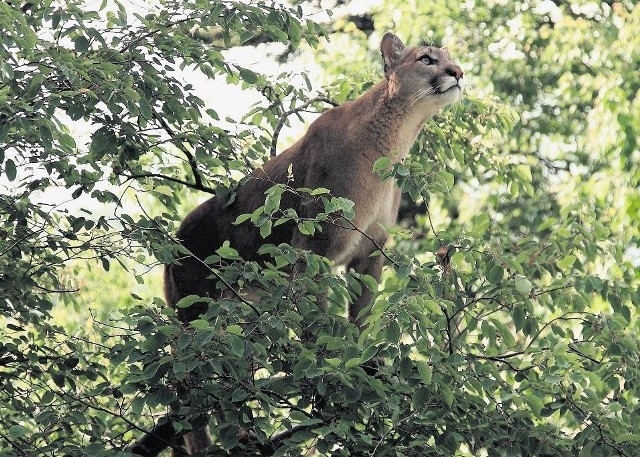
point(451, 89)
point(457, 84)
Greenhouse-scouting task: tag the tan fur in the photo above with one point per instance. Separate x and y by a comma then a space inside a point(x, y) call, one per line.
point(337, 152)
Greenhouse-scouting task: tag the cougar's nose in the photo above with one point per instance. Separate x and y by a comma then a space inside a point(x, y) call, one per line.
point(455, 71)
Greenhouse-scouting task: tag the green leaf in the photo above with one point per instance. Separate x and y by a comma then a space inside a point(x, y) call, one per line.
point(137, 404)
point(587, 450)
point(549, 222)
point(382, 164)
point(239, 395)
point(567, 262)
point(199, 324)
point(145, 109)
point(102, 141)
point(504, 332)
point(319, 191)
point(227, 252)
point(402, 170)
point(184, 340)
point(245, 36)
point(481, 224)
point(10, 169)
point(393, 331)
point(448, 178)
point(18, 431)
point(519, 317)
point(425, 371)
point(237, 345)
point(242, 218)
point(524, 172)
point(81, 43)
point(6, 71)
point(368, 354)
point(333, 361)
point(628, 438)
point(150, 371)
point(272, 202)
point(187, 301)
point(369, 282)
point(45, 136)
point(354, 362)
point(235, 330)
point(522, 284)
point(163, 190)
point(447, 395)
point(535, 403)
point(265, 228)
point(306, 228)
point(421, 398)
point(295, 33)
point(346, 206)
point(248, 76)
point(495, 274)
point(94, 449)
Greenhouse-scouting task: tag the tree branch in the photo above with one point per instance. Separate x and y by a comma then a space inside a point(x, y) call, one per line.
point(211, 270)
point(191, 159)
point(146, 35)
point(286, 114)
point(155, 433)
point(270, 447)
point(201, 186)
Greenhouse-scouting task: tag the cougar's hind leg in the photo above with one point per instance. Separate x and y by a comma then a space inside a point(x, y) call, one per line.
point(198, 441)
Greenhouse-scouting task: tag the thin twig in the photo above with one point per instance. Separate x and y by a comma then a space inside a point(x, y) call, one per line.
point(197, 178)
point(215, 273)
point(201, 187)
point(390, 430)
point(119, 415)
point(335, 222)
point(146, 35)
point(286, 114)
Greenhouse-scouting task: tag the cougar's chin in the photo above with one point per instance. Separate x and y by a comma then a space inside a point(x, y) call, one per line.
point(448, 96)
point(453, 92)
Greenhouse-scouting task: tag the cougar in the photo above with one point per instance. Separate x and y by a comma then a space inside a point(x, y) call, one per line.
point(337, 152)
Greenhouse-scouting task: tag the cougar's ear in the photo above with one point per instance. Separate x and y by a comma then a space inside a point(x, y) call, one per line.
point(392, 49)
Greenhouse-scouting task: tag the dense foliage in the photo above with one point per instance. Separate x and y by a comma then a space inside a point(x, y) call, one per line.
point(505, 322)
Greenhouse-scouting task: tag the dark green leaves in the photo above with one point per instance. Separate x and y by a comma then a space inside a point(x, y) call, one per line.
point(10, 170)
point(248, 76)
point(81, 43)
point(103, 141)
point(90, 203)
point(521, 339)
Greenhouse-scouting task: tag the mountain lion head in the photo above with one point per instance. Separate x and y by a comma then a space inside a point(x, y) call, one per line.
point(424, 74)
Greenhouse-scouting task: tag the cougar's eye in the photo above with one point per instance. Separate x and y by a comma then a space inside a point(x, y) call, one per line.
point(428, 60)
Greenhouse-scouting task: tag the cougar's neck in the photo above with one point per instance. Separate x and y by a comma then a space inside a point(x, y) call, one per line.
point(392, 121)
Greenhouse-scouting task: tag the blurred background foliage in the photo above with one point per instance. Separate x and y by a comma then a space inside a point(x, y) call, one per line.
point(520, 338)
